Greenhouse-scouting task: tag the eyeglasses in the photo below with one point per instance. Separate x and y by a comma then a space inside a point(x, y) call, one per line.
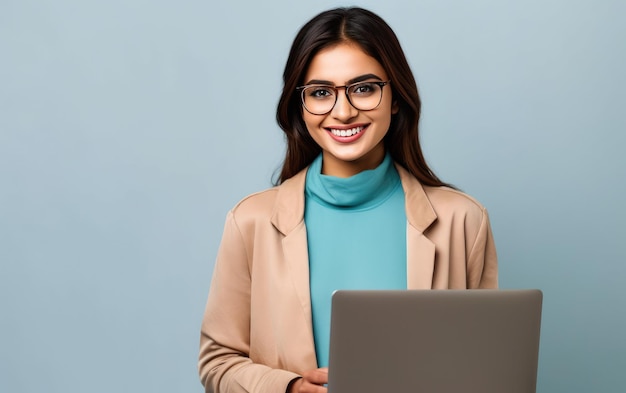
point(321, 99)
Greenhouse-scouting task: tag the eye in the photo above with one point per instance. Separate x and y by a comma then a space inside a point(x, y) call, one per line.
point(364, 89)
point(319, 92)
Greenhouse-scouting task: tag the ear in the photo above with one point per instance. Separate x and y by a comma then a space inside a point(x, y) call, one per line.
point(394, 107)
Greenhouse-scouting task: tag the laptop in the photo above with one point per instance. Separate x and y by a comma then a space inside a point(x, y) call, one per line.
point(435, 341)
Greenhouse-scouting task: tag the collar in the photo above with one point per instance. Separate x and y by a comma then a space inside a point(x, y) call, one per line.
point(288, 210)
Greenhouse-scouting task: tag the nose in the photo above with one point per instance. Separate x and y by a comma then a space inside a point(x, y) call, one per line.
point(343, 110)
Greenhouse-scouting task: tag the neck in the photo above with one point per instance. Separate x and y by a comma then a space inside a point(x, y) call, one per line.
point(334, 166)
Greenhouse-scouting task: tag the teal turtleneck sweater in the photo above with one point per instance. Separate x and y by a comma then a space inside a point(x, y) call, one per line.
point(356, 233)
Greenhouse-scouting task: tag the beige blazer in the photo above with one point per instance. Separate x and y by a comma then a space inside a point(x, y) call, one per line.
point(257, 331)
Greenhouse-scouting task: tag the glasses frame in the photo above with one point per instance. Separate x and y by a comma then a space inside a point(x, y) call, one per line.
point(345, 87)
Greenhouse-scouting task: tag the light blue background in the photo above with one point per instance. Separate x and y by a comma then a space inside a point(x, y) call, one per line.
point(129, 128)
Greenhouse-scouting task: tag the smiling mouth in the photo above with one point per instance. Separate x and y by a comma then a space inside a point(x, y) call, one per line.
point(346, 133)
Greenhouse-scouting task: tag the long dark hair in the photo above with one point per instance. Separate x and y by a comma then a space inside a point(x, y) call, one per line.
point(374, 37)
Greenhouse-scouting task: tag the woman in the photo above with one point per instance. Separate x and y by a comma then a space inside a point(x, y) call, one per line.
point(356, 207)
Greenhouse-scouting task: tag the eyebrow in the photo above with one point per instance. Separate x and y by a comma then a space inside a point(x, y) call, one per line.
point(357, 79)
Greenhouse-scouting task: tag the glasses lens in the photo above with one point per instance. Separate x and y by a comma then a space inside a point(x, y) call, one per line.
point(365, 96)
point(319, 99)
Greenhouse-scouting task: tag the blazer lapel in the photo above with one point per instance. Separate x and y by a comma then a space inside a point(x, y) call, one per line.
point(297, 258)
point(288, 218)
point(420, 250)
point(420, 259)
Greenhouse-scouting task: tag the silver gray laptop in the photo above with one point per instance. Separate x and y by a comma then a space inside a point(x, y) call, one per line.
point(435, 341)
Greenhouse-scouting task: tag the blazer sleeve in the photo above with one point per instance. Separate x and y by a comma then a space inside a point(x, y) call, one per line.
point(224, 364)
point(482, 265)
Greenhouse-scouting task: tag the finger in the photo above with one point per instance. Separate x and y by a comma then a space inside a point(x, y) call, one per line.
point(308, 387)
point(318, 376)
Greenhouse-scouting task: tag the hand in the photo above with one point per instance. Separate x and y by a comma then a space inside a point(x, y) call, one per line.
point(312, 381)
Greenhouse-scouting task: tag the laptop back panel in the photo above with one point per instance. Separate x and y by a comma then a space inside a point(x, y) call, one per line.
point(440, 341)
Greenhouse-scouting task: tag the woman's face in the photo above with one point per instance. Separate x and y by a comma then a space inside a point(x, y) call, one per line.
point(361, 147)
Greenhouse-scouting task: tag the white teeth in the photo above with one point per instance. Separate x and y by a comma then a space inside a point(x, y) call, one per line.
point(349, 132)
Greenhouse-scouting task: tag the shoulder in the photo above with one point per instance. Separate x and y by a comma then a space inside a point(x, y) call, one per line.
point(449, 198)
point(282, 205)
point(460, 219)
point(430, 203)
point(455, 208)
point(257, 205)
